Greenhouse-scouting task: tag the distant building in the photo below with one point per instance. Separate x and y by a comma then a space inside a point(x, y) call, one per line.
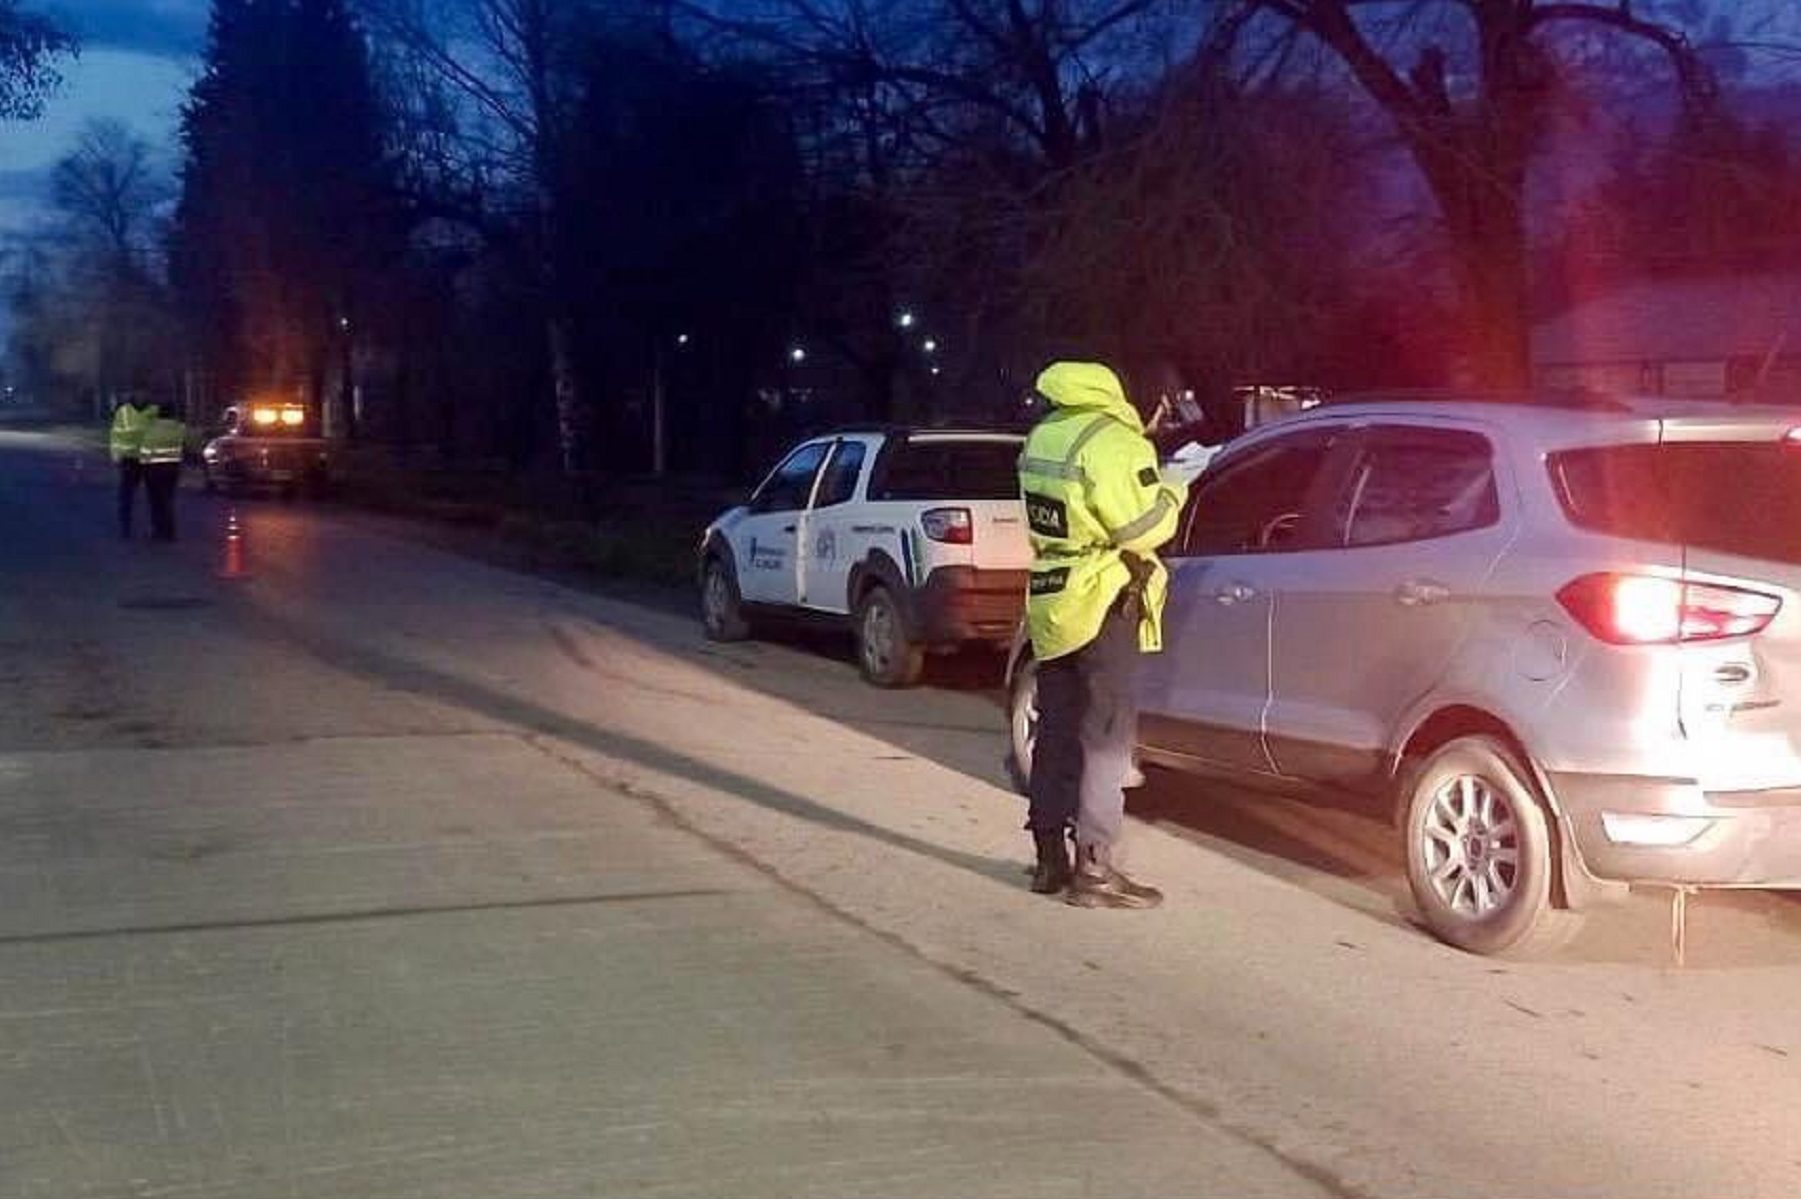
point(1711, 338)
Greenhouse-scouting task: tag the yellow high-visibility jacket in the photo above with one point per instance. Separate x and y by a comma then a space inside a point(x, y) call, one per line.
point(163, 439)
point(126, 439)
point(1093, 495)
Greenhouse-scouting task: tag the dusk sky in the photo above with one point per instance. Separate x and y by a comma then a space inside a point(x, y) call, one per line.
point(138, 57)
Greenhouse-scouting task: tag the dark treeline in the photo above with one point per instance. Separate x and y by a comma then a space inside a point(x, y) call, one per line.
point(603, 237)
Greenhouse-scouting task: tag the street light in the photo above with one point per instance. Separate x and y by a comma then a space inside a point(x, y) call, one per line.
point(682, 339)
point(931, 345)
point(905, 320)
point(797, 355)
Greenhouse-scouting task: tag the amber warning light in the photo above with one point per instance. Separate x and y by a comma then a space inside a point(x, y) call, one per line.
point(289, 416)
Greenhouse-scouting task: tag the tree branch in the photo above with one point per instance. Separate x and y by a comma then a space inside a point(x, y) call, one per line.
point(1698, 83)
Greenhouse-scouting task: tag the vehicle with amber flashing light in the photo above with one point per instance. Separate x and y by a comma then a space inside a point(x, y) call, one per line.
point(266, 446)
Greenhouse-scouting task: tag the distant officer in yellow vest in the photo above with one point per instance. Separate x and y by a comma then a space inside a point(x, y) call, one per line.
point(126, 443)
point(164, 440)
point(1098, 508)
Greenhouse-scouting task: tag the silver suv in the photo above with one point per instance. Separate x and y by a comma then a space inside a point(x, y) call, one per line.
point(1565, 639)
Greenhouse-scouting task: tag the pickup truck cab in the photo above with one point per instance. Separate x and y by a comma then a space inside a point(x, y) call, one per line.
point(913, 538)
point(269, 446)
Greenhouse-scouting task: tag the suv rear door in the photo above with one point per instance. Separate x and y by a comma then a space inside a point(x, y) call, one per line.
point(1203, 698)
point(1365, 626)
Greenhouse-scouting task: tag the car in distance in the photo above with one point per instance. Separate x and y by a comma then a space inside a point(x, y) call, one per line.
point(1563, 639)
point(915, 538)
point(266, 446)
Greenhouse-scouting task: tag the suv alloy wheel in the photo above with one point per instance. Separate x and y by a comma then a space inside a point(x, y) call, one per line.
point(1480, 856)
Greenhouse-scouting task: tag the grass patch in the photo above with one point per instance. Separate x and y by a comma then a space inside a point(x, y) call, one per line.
point(646, 551)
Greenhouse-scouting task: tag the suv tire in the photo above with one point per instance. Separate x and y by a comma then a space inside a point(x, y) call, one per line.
point(887, 654)
point(1480, 855)
point(1022, 723)
point(721, 607)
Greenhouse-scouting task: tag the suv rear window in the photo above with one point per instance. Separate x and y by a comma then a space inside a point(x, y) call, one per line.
point(942, 469)
point(1730, 497)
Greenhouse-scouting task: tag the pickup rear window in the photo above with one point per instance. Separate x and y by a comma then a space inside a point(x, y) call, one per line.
point(943, 469)
point(1737, 498)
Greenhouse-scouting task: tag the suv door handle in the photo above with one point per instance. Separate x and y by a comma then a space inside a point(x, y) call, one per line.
point(1419, 593)
point(787, 528)
point(1235, 593)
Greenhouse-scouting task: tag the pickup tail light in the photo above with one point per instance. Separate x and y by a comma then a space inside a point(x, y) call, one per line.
point(951, 526)
point(1623, 609)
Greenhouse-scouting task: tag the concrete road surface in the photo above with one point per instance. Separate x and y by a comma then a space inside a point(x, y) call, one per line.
point(388, 873)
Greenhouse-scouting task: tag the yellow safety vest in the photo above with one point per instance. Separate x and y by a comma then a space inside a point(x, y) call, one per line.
point(163, 440)
point(1094, 495)
point(126, 439)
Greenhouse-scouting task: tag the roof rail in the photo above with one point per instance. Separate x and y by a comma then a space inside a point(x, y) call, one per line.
point(1569, 398)
point(907, 429)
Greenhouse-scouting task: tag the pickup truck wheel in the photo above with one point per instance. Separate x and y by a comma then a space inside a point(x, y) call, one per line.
point(1022, 723)
point(207, 483)
point(1480, 855)
point(721, 608)
point(886, 652)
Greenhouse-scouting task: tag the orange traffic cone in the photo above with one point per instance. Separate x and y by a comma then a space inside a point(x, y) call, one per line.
point(231, 562)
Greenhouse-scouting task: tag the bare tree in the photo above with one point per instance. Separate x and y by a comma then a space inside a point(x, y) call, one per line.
point(918, 77)
point(1468, 85)
point(109, 189)
point(93, 312)
point(494, 82)
point(941, 138)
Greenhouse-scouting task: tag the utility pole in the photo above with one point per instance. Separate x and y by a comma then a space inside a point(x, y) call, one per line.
point(659, 448)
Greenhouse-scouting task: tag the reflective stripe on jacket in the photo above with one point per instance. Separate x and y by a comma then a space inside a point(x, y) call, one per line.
point(126, 438)
point(163, 440)
point(1098, 509)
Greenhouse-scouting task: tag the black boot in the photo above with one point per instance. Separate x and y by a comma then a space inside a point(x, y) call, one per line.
point(1053, 871)
point(1098, 885)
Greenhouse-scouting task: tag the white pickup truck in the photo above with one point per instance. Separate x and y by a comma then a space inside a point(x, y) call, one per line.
point(915, 538)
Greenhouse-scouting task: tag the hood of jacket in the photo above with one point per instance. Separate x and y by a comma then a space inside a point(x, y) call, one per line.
point(1088, 387)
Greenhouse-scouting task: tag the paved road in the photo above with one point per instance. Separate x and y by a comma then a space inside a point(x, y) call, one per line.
point(390, 873)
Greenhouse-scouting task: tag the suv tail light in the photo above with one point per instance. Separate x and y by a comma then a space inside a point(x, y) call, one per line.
point(952, 526)
point(1647, 610)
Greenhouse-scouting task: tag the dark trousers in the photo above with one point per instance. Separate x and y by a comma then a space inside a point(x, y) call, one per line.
point(160, 479)
point(131, 473)
point(1087, 726)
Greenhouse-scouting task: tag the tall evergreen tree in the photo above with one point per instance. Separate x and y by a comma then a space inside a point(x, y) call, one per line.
point(286, 215)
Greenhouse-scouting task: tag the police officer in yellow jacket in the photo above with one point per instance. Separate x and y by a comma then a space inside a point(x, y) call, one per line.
point(162, 445)
point(126, 443)
point(1098, 508)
